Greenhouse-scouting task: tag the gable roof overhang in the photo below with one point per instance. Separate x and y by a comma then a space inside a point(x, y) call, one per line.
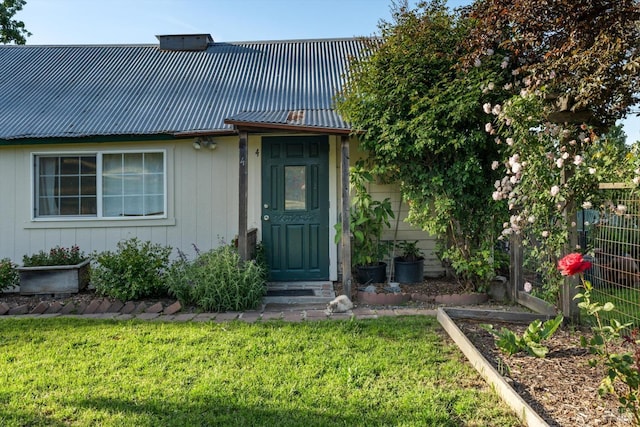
point(325, 121)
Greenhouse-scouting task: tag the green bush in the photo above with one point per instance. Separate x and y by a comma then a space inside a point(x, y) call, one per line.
point(136, 270)
point(217, 281)
point(9, 276)
point(55, 256)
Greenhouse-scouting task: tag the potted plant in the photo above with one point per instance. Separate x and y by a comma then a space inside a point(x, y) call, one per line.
point(59, 271)
point(409, 266)
point(368, 219)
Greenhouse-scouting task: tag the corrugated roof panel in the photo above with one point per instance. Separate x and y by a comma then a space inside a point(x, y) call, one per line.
point(75, 91)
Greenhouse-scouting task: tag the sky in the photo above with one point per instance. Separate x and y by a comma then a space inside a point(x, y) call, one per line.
point(139, 21)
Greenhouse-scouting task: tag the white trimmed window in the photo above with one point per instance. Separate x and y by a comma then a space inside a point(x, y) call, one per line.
point(100, 185)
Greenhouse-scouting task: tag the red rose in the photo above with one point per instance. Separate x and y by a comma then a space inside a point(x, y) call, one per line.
point(573, 264)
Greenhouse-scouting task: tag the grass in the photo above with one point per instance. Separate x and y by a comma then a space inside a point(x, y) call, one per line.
point(388, 371)
point(626, 301)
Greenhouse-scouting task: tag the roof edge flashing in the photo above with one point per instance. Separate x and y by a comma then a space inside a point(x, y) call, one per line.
point(184, 42)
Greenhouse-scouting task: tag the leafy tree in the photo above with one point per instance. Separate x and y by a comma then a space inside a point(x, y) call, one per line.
point(585, 50)
point(572, 79)
point(12, 30)
point(418, 116)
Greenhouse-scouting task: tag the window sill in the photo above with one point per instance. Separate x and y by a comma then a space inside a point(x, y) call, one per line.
point(99, 223)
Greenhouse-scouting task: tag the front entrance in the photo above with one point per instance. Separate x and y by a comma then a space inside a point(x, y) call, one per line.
point(295, 207)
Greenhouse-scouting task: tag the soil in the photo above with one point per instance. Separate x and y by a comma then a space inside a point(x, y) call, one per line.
point(562, 387)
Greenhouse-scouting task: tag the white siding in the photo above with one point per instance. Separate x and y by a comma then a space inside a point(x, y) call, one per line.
point(432, 265)
point(202, 202)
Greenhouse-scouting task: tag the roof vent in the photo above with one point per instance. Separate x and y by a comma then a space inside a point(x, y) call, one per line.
point(187, 42)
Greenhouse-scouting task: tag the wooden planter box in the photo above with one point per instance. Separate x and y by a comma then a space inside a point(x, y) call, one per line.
point(54, 279)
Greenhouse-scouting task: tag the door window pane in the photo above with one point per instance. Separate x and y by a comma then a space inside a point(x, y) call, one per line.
point(295, 192)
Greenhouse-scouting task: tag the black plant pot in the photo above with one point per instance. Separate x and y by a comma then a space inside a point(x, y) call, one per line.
point(368, 274)
point(408, 271)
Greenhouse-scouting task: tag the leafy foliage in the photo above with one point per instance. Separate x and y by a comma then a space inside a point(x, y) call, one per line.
point(591, 57)
point(55, 256)
point(531, 338)
point(623, 368)
point(136, 270)
point(368, 219)
point(9, 276)
point(217, 280)
point(12, 30)
point(419, 119)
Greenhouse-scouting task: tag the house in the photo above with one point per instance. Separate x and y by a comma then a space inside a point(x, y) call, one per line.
point(187, 142)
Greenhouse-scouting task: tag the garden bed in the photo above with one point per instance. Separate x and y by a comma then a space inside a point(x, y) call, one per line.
point(562, 389)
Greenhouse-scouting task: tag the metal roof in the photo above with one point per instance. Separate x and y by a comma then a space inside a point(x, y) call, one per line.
point(128, 90)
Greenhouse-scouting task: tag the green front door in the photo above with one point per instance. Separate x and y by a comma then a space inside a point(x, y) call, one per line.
point(295, 207)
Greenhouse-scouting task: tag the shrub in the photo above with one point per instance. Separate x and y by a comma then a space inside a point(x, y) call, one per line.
point(136, 270)
point(217, 281)
point(55, 256)
point(9, 276)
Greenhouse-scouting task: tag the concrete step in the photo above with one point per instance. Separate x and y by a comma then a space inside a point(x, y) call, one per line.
point(321, 293)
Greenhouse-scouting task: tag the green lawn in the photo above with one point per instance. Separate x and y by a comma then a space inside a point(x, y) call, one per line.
point(389, 371)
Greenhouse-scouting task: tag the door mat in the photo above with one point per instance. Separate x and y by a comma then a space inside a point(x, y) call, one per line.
point(290, 293)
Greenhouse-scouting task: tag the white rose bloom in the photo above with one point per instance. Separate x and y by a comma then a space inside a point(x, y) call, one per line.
point(497, 109)
point(487, 108)
point(577, 160)
point(592, 170)
point(636, 180)
point(555, 190)
point(545, 234)
point(565, 155)
point(516, 167)
point(527, 287)
point(531, 219)
point(560, 163)
point(495, 165)
point(509, 142)
point(587, 205)
point(488, 127)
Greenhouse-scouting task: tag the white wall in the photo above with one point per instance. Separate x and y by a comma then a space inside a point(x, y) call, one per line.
point(202, 202)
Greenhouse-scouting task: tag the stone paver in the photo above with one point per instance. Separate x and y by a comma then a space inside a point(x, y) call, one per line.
point(147, 316)
point(128, 307)
point(155, 308)
point(173, 308)
point(270, 315)
point(104, 306)
point(40, 308)
point(251, 316)
point(54, 307)
point(115, 307)
point(184, 317)
point(92, 307)
point(81, 307)
point(226, 316)
point(4, 308)
point(68, 308)
point(140, 308)
point(21, 309)
point(205, 317)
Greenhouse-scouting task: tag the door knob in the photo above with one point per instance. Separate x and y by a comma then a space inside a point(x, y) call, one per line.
point(266, 217)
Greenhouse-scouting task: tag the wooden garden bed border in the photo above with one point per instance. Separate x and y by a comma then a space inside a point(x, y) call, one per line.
point(521, 408)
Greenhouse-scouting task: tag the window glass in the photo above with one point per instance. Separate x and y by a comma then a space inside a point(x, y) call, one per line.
point(295, 194)
point(132, 185)
point(64, 188)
